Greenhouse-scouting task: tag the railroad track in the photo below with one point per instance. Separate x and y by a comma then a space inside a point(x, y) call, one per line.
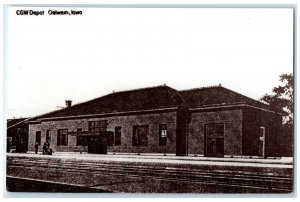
point(266, 180)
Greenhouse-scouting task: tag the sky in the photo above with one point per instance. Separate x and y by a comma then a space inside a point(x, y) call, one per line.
point(51, 59)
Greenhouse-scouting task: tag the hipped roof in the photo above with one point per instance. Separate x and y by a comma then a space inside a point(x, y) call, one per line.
point(159, 97)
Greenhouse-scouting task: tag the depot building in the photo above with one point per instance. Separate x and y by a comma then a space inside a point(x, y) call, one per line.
point(210, 121)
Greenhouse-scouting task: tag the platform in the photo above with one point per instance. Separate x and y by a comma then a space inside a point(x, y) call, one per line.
point(285, 162)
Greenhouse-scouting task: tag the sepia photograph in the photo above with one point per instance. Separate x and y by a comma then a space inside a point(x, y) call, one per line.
point(149, 99)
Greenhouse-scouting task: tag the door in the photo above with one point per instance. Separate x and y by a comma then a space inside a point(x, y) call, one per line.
point(215, 147)
point(214, 140)
point(210, 147)
point(97, 145)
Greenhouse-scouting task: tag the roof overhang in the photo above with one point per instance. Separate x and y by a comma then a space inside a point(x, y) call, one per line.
point(235, 105)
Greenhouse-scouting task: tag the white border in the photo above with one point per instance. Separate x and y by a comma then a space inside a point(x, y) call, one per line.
point(208, 198)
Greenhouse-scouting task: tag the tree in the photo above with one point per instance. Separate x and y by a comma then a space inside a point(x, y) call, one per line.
point(283, 98)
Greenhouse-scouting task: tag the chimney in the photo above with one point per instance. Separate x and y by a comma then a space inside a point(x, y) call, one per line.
point(68, 103)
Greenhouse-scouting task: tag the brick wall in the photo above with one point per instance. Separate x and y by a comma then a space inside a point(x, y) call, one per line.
point(232, 133)
point(126, 122)
point(253, 119)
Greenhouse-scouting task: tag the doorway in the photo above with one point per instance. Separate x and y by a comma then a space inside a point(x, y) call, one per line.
point(214, 140)
point(97, 144)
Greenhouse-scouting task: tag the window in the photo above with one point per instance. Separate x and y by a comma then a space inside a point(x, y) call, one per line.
point(262, 133)
point(140, 136)
point(163, 135)
point(80, 140)
point(62, 137)
point(262, 142)
point(98, 125)
point(118, 136)
point(48, 136)
point(38, 135)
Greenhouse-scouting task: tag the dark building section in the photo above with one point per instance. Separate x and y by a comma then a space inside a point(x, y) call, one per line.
point(261, 133)
point(286, 142)
point(17, 135)
point(211, 121)
point(232, 124)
